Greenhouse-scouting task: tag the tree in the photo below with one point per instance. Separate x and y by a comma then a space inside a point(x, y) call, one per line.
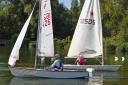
point(74, 11)
point(14, 15)
point(123, 34)
point(81, 3)
point(61, 21)
point(111, 15)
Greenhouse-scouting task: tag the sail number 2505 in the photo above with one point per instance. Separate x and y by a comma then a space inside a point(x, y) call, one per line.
point(87, 21)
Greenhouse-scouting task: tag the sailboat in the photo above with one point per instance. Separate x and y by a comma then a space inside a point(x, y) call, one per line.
point(87, 38)
point(44, 48)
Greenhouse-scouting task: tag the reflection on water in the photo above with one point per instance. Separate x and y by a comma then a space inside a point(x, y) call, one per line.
point(3, 67)
point(107, 75)
point(33, 81)
point(96, 79)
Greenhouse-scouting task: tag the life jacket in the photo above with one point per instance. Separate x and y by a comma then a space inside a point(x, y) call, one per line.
point(60, 68)
point(81, 61)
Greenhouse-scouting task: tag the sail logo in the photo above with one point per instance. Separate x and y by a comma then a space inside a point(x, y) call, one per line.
point(88, 51)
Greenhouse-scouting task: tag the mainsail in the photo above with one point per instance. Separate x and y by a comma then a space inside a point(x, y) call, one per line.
point(87, 39)
point(15, 51)
point(45, 45)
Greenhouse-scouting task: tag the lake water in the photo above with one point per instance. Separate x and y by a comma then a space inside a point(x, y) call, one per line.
point(27, 59)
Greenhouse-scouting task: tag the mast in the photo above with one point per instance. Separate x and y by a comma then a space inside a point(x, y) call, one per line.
point(101, 34)
point(36, 56)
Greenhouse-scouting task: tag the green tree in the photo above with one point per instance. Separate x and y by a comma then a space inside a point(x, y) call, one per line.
point(81, 3)
point(123, 34)
point(111, 15)
point(12, 18)
point(114, 22)
point(61, 20)
point(124, 4)
point(74, 14)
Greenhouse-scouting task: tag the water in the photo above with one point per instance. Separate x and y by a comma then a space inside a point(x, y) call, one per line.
point(27, 59)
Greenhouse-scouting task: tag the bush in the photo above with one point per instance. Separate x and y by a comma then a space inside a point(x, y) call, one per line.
point(115, 46)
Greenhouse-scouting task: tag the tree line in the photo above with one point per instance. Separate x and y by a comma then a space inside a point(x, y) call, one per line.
point(114, 15)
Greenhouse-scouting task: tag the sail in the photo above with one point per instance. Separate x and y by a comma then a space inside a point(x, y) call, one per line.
point(15, 51)
point(45, 45)
point(87, 38)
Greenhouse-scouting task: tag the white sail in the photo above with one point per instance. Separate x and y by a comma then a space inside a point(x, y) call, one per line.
point(15, 51)
point(87, 39)
point(45, 45)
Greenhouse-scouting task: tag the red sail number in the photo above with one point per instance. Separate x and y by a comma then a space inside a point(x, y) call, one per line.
point(47, 19)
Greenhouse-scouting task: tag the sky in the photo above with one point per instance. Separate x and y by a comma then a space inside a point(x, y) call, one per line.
point(66, 3)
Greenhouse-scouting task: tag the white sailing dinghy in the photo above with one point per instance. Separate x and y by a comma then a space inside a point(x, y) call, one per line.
point(87, 39)
point(45, 48)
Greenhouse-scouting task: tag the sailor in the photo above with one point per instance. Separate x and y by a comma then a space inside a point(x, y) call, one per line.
point(57, 64)
point(80, 60)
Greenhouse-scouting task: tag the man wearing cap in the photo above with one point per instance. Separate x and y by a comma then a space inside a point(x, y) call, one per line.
point(57, 64)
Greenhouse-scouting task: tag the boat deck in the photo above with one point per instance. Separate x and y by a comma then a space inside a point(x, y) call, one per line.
point(96, 67)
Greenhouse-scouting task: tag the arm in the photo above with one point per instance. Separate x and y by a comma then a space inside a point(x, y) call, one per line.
point(53, 65)
point(77, 60)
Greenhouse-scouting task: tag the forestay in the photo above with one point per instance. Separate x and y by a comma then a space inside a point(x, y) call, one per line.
point(87, 39)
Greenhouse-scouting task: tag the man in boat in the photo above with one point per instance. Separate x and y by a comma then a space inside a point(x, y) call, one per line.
point(57, 64)
point(80, 60)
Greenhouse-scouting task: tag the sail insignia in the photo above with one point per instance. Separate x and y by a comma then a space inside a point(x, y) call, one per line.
point(88, 51)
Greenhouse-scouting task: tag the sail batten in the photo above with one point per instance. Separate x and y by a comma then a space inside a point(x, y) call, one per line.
point(87, 38)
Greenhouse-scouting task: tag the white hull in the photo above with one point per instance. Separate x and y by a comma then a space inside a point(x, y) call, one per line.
point(26, 72)
point(96, 67)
